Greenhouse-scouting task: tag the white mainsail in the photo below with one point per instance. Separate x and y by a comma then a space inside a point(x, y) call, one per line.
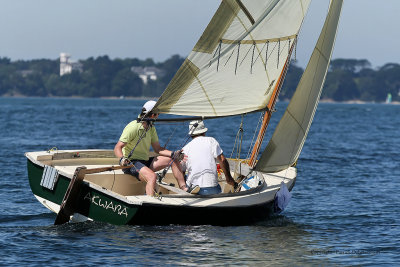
point(237, 62)
point(287, 141)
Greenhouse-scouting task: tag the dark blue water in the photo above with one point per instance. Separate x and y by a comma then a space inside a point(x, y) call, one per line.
point(344, 210)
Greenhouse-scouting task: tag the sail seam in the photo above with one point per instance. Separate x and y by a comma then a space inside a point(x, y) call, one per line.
point(239, 19)
point(298, 123)
point(322, 54)
point(205, 93)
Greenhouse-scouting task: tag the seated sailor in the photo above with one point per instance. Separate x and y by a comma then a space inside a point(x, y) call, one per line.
point(133, 149)
point(203, 153)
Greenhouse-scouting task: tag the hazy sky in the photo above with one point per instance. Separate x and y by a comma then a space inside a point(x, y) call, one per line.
point(158, 29)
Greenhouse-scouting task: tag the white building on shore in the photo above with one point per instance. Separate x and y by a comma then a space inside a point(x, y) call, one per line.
point(148, 73)
point(67, 65)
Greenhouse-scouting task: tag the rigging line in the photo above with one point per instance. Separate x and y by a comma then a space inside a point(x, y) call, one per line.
point(219, 53)
point(239, 149)
point(254, 135)
point(295, 48)
point(266, 55)
point(237, 58)
point(237, 136)
point(233, 50)
point(241, 142)
point(279, 50)
point(149, 125)
point(256, 23)
point(289, 48)
point(249, 30)
point(245, 56)
point(282, 49)
point(191, 131)
point(234, 145)
point(252, 57)
point(261, 117)
point(272, 51)
point(169, 139)
point(216, 50)
point(259, 53)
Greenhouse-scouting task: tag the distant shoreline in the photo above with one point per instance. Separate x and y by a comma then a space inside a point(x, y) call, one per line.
point(81, 97)
point(155, 98)
point(358, 102)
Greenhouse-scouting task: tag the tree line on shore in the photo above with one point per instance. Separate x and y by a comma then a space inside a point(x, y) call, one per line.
point(347, 79)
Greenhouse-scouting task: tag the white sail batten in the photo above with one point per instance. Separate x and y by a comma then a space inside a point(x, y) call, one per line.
point(237, 61)
point(287, 141)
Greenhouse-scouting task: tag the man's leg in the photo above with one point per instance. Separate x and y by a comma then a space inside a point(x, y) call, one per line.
point(144, 173)
point(149, 177)
point(161, 162)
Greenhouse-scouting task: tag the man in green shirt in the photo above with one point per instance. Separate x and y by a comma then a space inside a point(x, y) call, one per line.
point(139, 135)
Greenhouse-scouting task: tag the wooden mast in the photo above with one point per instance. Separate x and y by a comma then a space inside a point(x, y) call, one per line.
point(268, 113)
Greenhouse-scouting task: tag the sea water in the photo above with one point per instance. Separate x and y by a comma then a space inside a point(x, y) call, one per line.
point(344, 209)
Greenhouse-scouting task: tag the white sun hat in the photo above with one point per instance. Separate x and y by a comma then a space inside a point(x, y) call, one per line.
point(201, 128)
point(148, 106)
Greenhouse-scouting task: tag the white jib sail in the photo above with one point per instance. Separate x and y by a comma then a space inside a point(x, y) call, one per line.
point(287, 141)
point(237, 61)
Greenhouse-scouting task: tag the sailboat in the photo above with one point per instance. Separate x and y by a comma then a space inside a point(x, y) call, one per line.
point(237, 67)
point(388, 98)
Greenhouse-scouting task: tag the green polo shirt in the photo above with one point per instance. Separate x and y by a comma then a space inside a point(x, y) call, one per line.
point(130, 135)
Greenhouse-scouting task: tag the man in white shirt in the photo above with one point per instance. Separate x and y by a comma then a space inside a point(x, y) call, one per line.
point(203, 153)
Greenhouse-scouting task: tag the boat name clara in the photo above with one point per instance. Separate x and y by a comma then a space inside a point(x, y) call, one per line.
point(116, 208)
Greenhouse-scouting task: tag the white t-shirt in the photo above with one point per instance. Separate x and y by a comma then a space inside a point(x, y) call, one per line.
point(201, 165)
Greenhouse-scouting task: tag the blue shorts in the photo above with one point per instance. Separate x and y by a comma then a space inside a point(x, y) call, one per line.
point(137, 166)
point(210, 190)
